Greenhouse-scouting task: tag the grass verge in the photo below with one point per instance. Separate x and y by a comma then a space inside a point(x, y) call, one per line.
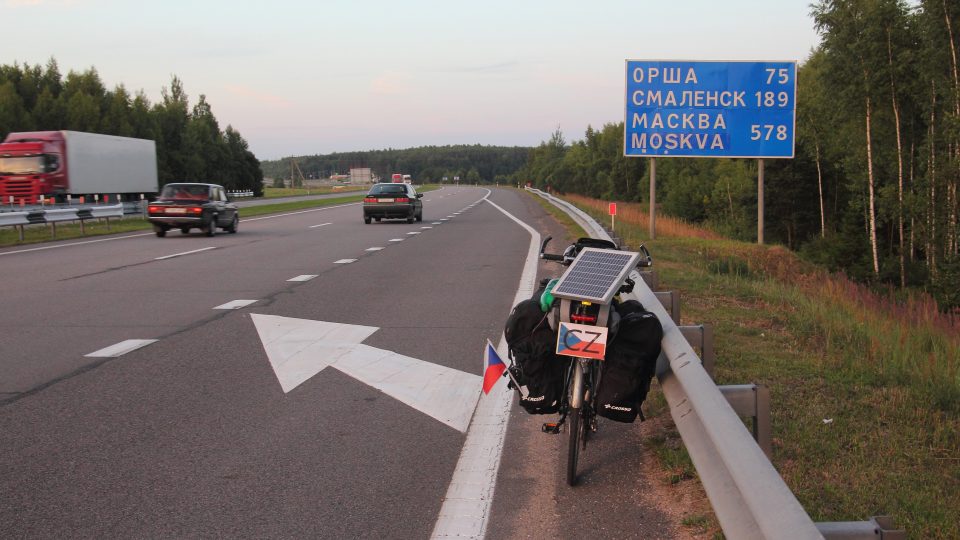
point(65, 231)
point(865, 387)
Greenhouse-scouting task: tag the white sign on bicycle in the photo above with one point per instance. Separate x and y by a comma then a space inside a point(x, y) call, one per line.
point(581, 340)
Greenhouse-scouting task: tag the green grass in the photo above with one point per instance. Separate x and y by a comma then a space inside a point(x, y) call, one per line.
point(272, 192)
point(9, 236)
point(865, 388)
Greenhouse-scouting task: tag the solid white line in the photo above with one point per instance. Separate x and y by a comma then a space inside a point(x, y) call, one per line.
point(320, 225)
point(184, 253)
point(375, 248)
point(235, 304)
point(75, 244)
point(304, 277)
point(466, 506)
point(344, 261)
point(120, 349)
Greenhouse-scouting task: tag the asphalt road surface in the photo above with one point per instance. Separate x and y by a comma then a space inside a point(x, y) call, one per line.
point(194, 435)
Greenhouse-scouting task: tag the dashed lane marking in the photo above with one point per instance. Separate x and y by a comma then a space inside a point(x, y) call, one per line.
point(320, 225)
point(344, 261)
point(304, 277)
point(374, 248)
point(121, 348)
point(183, 253)
point(235, 304)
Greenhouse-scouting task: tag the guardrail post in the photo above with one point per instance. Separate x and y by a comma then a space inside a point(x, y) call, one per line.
point(701, 337)
point(876, 528)
point(671, 302)
point(651, 278)
point(20, 228)
point(754, 401)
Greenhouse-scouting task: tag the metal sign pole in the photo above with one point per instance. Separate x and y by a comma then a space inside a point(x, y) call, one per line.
point(760, 201)
point(653, 198)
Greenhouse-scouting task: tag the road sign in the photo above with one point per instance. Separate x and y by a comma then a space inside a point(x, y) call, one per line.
point(684, 108)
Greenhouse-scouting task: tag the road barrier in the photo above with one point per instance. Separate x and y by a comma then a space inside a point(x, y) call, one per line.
point(247, 193)
point(748, 496)
point(52, 216)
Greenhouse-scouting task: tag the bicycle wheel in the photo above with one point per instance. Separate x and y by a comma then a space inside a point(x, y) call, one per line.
point(576, 441)
point(577, 388)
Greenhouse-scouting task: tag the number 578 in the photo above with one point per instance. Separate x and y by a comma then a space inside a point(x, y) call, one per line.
point(767, 132)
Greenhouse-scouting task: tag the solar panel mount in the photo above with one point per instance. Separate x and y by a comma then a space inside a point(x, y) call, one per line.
point(596, 275)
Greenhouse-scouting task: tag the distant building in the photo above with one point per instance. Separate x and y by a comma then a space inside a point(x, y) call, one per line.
point(361, 176)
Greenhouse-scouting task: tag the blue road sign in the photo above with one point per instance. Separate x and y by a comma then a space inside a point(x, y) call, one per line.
point(682, 108)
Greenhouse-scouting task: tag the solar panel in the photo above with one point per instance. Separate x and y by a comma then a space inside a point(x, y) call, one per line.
point(595, 275)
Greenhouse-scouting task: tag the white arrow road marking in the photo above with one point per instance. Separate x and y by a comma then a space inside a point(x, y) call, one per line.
point(235, 304)
point(120, 349)
point(298, 349)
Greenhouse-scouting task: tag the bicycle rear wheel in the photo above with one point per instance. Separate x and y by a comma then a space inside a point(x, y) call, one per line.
point(577, 427)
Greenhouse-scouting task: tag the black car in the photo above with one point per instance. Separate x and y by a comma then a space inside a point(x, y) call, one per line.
point(193, 206)
point(392, 201)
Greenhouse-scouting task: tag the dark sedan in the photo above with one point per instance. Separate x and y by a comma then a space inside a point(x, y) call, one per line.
point(392, 201)
point(193, 206)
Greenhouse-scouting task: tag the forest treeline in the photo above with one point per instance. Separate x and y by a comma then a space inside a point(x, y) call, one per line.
point(190, 144)
point(472, 163)
point(872, 190)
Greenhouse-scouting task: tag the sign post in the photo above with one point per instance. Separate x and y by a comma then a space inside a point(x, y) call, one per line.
point(709, 109)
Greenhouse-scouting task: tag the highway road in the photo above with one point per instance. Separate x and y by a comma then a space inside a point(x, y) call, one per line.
point(310, 376)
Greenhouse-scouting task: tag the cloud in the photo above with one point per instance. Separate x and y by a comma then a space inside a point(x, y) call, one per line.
point(391, 83)
point(33, 3)
point(249, 93)
point(501, 67)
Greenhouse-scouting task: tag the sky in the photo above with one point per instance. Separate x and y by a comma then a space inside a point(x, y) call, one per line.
point(322, 76)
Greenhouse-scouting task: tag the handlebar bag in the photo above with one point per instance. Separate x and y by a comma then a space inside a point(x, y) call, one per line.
point(630, 363)
point(533, 360)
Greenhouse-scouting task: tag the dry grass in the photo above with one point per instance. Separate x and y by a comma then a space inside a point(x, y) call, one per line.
point(865, 382)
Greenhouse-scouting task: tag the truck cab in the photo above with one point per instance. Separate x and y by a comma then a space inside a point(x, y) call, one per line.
point(32, 164)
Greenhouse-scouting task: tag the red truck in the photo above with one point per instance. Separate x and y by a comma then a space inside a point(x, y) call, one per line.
point(56, 164)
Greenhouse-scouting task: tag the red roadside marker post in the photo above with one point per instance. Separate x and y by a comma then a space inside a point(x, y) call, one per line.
point(613, 214)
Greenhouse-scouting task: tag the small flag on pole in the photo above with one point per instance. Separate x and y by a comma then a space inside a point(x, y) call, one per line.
point(493, 367)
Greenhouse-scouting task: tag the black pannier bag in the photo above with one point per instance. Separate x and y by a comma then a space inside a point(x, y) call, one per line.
point(534, 363)
point(630, 363)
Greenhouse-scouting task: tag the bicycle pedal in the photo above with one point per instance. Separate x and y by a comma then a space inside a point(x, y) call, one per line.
point(551, 428)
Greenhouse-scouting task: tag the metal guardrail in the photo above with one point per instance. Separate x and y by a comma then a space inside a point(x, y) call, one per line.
point(55, 215)
point(247, 193)
point(748, 496)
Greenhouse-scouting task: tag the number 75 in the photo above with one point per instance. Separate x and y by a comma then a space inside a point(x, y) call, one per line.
point(782, 75)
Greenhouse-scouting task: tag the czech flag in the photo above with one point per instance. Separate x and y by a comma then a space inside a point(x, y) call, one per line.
point(493, 367)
